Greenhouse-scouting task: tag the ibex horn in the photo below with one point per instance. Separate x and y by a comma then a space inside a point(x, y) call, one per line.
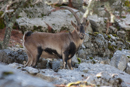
point(70, 9)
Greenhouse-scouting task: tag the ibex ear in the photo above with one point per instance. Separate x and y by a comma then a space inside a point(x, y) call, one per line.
point(74, 25)
point(85, 21)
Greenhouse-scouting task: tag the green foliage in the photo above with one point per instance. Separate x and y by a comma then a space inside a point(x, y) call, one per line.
point(128, 10)
point(127, 3)
point(93, 61)
point(123, 16)
point(111, 55)
point(118, 27)
point(21, 46)
point(2, 24)
point(95, 33)
point(119, 49)
point(43, 15)
point(110, 47)
point(128, 56)
point(109, 37)
point(114, 35)
point(79, 60)
point(37, 28)
point(91, 58)
point(6, 73)
point(64, 28)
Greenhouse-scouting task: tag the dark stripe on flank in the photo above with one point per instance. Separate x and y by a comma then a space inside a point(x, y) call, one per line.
point(52, 52)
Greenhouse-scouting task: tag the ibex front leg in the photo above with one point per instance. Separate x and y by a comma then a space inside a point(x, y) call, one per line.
point(69, 64)
point(65, 58)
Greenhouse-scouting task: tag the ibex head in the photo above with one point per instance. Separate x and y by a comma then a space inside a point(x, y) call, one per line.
point(81, 26)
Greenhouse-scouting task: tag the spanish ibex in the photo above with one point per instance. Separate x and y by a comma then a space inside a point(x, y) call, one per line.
point(55, 45)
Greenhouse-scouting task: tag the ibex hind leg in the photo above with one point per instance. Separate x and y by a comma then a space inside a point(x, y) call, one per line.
point(36, 56)
point(29, 59)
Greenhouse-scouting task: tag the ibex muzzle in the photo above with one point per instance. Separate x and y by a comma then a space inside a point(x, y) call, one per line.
point(55, 45)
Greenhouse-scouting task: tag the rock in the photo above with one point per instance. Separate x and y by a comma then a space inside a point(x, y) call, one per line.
point(42, 64)
point(39, 9)
point(112, 30)
point(78, 4)
point(120, 60)
point(10, 77)
point(105, 61)
point(74, 59)
point(15, 65)
point(3, 56)
point(81, 53)
point(128, 68)
point(9, 56)
point(86, 37)
point(55, 20)
point(56, 64)
point(31, 70)
point(97, 23)
point(56, 1)
point(122, 34)
point(105, 79)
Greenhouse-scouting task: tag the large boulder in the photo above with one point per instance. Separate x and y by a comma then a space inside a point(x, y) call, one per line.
point(105, 79)
point(128, 67)
point(58, 20)
point(82, 73)
point(10, 77)
point(97, 23)
point(120, 59)
point(10, 56)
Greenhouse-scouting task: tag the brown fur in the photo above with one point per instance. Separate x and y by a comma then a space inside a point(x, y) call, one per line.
point(53, 45)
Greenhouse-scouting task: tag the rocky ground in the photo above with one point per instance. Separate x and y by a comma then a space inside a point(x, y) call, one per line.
point(102, 60)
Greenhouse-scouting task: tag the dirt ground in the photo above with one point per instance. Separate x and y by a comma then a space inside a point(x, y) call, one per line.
point(16, 37)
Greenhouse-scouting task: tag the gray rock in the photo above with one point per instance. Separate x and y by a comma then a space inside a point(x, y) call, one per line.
point(15, 65)
point(74, 59)
point(86, 37)
point(105, 79)
point(3, 56)
point(10, 77)
point(122, 34)
point(57, 20)
point(119, 60)
point(97, 23)
point(112, 30)
point(81, 53)
point(56, 64)
point(10, 56)
point(128, 68)
point(31, 70)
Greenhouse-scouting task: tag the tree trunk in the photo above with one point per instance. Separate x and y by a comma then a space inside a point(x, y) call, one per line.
point(7, 37)
point(9, 21)
point(9, 25)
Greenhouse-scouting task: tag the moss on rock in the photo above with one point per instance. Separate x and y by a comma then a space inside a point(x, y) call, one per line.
point(2, 24)
point(79, 60)
point(128, 56)
point(109, 37)
point(91, 58)
point(110, 47)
